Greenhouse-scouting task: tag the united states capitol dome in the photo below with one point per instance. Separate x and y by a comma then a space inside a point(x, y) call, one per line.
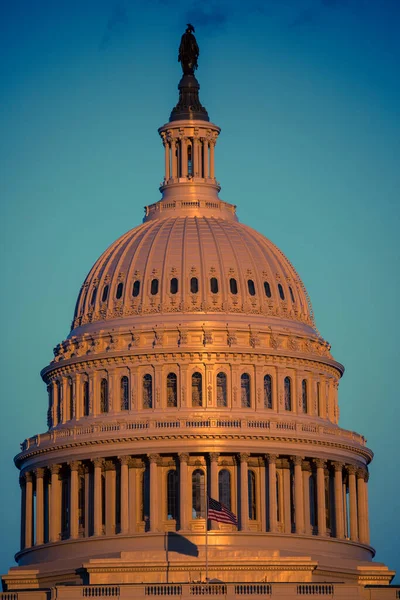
point(188, 258)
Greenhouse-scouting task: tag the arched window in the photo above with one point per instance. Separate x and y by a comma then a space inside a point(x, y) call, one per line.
point(104, 395)
point(147, 391)
point(224, 487)
point(251, 484)
point(70, 399)
point(198, 494)
point(267, 289)
point(194, 285)
point(172, 494)
point(174, 286)
point(288, 393)
point(281, 292)
point(214, 285)
point(233, 286)
point(222, 395)
point(136, 288)
point(59, 402)
point(94, 294)
point(190, 160)
point(172, 390)
point(105, 293)
point(197, 389)
point(251, 287)
point(267, 391)
point(120, 289)
point(86, 407)
point(245, 390)
point(304, 395)
point(291, 294)
point(124, 393)
point(154, 287)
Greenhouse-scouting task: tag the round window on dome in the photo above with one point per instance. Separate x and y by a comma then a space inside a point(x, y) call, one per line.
point(120, 289)
point(233, 286)
point(154, 287)
point(136, 288)
point(105, 293)
point(174, 286)
point(281, 292)
point(214, 285)
point(251, 287)
point(267, 289)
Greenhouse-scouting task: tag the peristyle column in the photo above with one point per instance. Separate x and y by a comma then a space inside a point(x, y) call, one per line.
point(154, 460)
point(183, 490)
point(39, 474)
point(351, 470)
point(339, 517)
point(244, 496)
point(298, 494)
point(306, 493)
point(214, 492)
point(28, 510)
point(73, 502)
point(321, 508)
point(361, 507)
point(124, 494)
point(273, 508)
point(55, 504)
point(97, 496)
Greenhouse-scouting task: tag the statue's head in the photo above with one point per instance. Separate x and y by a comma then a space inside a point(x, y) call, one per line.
point(189, 28)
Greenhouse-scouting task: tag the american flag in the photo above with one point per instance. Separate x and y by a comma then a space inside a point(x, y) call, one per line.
point(219, 512)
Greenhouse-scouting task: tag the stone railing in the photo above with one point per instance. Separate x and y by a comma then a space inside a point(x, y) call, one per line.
point(227, 590)
point(251, 425)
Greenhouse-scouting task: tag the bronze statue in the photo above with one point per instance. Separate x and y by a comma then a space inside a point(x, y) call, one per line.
point(188, 51)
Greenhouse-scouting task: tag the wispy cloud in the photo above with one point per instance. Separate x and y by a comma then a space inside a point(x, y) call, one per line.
point(207, 15)
point(116, 23)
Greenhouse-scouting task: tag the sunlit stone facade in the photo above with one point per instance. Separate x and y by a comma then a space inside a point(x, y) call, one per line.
point(194, 367)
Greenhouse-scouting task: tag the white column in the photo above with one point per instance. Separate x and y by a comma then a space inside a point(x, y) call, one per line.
point(306, 493)
point(73, 502)
point(154, 492)
point(361, 508)
point(110, 475)
point(351, 470)
point(244, 496)
point(196, 156)
point(339, 520)
point(124, 494)
point(321, 508)
point(212, 165)
point(55, 504)
point(205, 156)
point(214, 492)
point(183, 490)
point(273, 508)
point(298, 494)
point(22, 485)
point(97, 496)
point(287, 517)
point(39, 474)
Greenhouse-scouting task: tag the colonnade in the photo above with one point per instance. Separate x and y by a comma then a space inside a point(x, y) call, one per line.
point(189, 157)
point(127, 495)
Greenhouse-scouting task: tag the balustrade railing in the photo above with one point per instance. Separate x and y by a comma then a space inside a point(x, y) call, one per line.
point(315, 589)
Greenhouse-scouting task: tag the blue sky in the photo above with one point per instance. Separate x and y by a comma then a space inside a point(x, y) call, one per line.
point(307, 94)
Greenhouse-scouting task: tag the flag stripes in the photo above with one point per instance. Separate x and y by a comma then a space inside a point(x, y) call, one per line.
point(218, 512)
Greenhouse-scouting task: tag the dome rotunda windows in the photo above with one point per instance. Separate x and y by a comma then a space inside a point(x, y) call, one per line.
point(288, 393)
point(198, 494)
point(104, 295)
point(304, 396)
point(245, 390)
point(147, 391)
point(194, 285)
point(197, 389)
point(136, 288)
point(267, 391)
point(172, 494)
point(222, 395)
point(233, 286)
point(251, 287)
point(214, 285)
point(124, 393)
point(154, 287)
point(281, 292)
point(120, 289)
point(104, 395)
point(172, 390)
point(267, 289)
point(173, 286)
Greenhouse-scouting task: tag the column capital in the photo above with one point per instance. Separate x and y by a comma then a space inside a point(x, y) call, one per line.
point(74, 465)
point(98, 462)
point(338, 466)
point(244, 457)
point(54, 469)
point(320, 463)
point(214, 456)
point(124, 460)
point(154, 458)
point(297, 460)
point(183, 457)
point(351, 469)
point(28, 476)
point(361, 473)
point(307, 466)
point(271, 458)
point(109, 465)
point(135, 463)
point(39, 472)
